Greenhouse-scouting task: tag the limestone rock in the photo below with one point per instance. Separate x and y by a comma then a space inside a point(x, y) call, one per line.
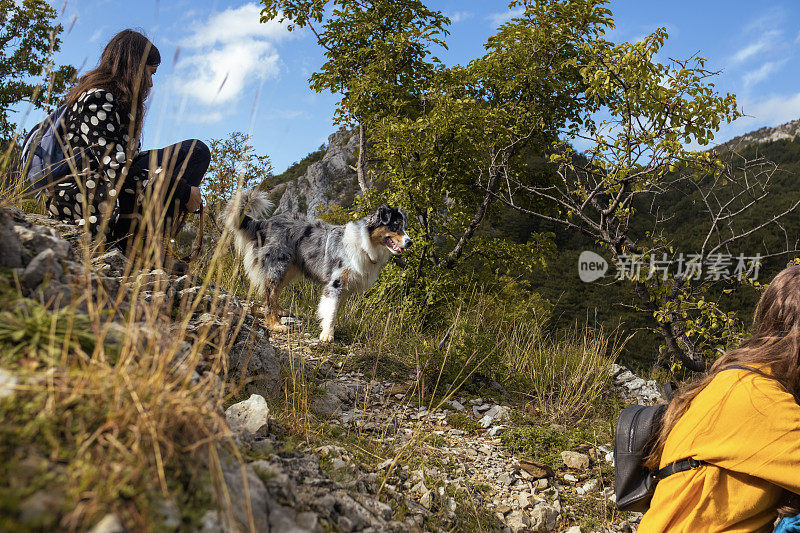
point(250, 416)
point(575, 460)
point(544, 518)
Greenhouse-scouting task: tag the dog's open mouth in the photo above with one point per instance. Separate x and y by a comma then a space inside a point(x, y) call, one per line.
point(392, 246)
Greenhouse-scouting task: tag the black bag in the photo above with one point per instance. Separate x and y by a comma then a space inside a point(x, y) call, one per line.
point(635, 434)
point(636, 431)
point(43, 159)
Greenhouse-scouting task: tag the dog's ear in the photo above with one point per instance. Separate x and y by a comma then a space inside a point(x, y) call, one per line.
point(385, 214)
point(381, 217)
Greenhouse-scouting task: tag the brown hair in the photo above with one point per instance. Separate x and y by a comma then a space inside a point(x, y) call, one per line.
point(774, 345)
point(121, 71)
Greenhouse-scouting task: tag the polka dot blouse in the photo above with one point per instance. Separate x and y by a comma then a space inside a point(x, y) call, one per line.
point(98, 126)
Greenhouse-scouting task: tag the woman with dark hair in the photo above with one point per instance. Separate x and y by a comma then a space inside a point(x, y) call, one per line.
point(741, 422)
point(103, 126)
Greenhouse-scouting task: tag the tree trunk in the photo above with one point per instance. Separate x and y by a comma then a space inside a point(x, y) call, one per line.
point(360, 171)
point(491, 188)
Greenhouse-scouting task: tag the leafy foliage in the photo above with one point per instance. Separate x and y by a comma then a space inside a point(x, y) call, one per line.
point(28, 39)
point(234, 166)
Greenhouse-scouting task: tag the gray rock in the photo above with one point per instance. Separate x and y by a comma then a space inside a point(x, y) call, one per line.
point(633, 388)
point(544, 518)
point(252, 356)
point(237, 514)
point(455, 404)
point(36, 239)
point(115, 260)
point(250, 416)
point(10, 246)
point(44, 266)
point(518, 521)
point(283, 519)
point(325, 182)
point(326, 405)
point(210, 522)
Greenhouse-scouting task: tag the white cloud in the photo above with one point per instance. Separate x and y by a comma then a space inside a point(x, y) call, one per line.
point(504, 16)
point(460, 16)
point(772, 111)
point(97, 34)
point(753, 77)
point(236, 24)
point(231, 51)
point(766, 42)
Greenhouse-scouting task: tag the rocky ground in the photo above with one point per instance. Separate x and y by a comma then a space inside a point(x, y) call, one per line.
point(381, 457)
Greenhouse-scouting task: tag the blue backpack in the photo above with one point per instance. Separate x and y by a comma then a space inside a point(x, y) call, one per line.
point(43, 159)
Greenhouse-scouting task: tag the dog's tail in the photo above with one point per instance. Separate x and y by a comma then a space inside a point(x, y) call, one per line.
point(247, 206)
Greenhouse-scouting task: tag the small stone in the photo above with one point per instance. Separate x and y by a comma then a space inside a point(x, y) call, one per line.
point(544, 518)
point(45, 265)
point(518, 521)
point(250, 416)
point(426, 500)
point(536, 470)
point(570, 478)
point(575, 460)
point(503, 509)
point(574, 529)
point(496, 430)
point(590, 485)
point(524, 501)
point(455, 404)
point(308, 520)
point(541, 484)
point(505, 479)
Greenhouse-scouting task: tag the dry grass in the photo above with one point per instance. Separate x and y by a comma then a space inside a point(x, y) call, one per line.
point(111, 413)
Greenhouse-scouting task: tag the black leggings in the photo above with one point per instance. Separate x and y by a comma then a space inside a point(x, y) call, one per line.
point(182, 164)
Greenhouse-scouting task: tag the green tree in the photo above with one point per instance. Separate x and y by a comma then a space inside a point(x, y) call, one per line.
point(642, 127)
point(28, 40)
point(234, 166)
point(376, 56)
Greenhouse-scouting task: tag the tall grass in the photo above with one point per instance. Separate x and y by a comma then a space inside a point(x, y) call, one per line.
point(564, 374)
point(118, 400)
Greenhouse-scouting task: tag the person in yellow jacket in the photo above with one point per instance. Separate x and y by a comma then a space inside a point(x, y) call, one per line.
point(744, 422)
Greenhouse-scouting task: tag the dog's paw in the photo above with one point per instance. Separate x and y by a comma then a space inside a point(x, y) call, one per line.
point(326, 336)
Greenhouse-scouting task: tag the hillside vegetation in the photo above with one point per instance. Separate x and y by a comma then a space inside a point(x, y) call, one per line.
point(475, 386)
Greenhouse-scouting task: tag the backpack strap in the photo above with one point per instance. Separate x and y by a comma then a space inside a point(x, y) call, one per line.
point(683, 465)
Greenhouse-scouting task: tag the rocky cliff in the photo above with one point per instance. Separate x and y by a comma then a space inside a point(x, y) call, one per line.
point(788, 131)
point(325, 182)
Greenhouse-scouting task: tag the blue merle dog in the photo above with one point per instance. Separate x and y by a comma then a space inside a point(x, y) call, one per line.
point(277, 249)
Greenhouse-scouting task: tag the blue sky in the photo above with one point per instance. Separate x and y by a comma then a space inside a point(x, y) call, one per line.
point(266, 68)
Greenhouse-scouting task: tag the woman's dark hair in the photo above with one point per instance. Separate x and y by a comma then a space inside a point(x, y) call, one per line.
point(774, 345)
point(122, 72)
